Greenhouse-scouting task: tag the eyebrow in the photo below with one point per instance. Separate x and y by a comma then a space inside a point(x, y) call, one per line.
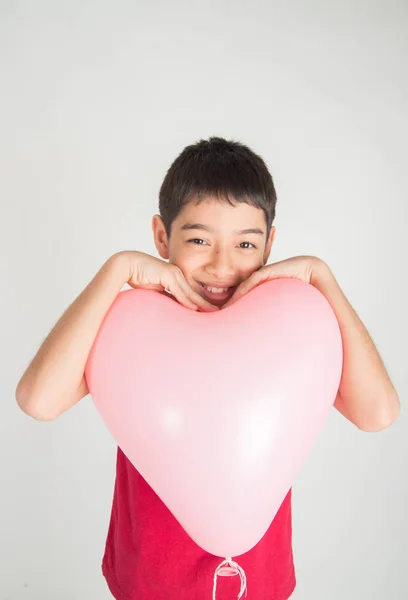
point(201, 227)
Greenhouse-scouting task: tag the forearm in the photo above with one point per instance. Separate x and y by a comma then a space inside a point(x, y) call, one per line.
point(366, 395)
point(48, 385)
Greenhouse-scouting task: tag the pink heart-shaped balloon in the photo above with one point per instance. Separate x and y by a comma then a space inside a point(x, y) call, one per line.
point(219, 410)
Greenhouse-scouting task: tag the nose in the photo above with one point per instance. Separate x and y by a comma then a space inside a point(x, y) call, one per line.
point(221, 266)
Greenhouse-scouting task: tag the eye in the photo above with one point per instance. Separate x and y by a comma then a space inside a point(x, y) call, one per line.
point(201, 242)
point(196, 240)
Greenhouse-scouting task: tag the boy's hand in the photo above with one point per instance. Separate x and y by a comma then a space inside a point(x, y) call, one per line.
point(298, 267)
point(149, 272)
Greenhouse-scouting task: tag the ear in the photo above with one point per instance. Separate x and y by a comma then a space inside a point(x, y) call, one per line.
point(160, 237)
point(268, 245)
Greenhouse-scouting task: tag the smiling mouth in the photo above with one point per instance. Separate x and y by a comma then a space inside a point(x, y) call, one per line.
point(215, 289)
point(217, 294)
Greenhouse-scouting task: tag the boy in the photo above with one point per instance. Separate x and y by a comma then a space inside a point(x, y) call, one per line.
point(217, 205)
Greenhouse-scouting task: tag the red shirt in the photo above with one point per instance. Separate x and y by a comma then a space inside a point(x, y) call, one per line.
point(149, 556)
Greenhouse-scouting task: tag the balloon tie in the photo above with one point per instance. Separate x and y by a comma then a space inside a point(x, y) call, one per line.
point(228, 562)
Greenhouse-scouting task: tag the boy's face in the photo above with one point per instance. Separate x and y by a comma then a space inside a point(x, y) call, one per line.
point(208, 244)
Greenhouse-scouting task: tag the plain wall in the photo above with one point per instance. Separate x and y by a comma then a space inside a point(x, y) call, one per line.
point(97, 99)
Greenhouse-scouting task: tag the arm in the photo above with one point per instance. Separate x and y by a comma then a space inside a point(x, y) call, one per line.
point(54, 381)
point(366, 395)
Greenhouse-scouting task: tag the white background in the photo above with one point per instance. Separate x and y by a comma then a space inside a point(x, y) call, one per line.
point(97, 99)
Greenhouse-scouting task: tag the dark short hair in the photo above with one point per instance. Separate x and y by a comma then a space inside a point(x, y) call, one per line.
point(226, 169)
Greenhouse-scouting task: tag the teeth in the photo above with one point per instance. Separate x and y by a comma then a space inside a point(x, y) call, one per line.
point(215, 290)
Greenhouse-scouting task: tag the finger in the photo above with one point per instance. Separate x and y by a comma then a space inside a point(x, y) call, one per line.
point(230, 301)
point(202, 303)
point(172, 286)
point(177, 291)
point(235, 296)
point(243, 289)
point(188, 298)
point(249, 284)
point(195, 296)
